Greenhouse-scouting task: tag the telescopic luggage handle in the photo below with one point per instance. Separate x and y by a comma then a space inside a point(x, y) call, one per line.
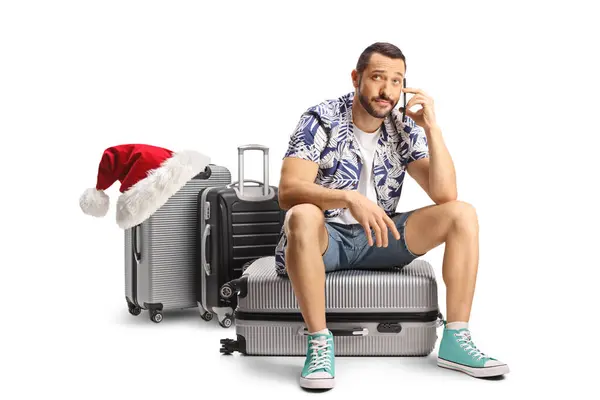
point(265, 183)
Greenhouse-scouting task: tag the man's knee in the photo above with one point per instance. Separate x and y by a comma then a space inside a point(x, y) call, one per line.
point(303, 220)
point(463, 215)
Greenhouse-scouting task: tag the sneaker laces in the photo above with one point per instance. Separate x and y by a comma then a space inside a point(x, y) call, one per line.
point(320, 351)
point(464, 338)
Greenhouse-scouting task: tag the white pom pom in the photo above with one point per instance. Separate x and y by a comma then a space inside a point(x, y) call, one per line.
point(94, 202)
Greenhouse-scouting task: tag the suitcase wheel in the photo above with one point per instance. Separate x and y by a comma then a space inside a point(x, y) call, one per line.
point(156, 316)
point(135, 310)
point(226, 322)
point(207, 316)
point(234, 287)
point(227, 291)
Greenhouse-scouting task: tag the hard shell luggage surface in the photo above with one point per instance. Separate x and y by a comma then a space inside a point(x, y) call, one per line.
point(370, 312)
point(238, 224)
point(160, 253)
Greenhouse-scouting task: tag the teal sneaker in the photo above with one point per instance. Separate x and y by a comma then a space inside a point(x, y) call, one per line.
point(457, 351)
point(319, 367)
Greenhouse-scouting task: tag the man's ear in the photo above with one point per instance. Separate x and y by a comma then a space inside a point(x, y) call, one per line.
point(355, 79)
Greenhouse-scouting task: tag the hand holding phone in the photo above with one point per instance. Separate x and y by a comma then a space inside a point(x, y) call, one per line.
point(425, 116)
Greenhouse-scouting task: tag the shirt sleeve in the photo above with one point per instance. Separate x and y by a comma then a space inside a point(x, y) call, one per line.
point(417, 145)
point(307, 139)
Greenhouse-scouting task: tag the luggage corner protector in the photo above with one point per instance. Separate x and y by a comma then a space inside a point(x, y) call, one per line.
point(243, 289)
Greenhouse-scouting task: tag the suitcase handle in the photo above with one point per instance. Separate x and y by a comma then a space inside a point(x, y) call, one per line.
point(205, 236)
point(261, 147)
point(134, 247)
point(241, 151)
point(341, 332)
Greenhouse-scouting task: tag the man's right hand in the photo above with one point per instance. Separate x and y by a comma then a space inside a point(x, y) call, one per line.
point(370, 216)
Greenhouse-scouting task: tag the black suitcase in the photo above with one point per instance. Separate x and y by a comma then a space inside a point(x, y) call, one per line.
point(239, 223)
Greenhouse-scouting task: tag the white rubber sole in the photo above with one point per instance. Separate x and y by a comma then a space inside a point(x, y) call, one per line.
point(314, 383)
point(484, 372)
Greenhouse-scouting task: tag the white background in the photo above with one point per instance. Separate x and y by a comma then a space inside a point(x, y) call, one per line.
point(515, 88)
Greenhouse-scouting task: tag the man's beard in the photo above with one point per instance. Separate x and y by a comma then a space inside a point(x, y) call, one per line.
point(364, 101)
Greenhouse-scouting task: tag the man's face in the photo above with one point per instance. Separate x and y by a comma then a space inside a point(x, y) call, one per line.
point(379, 87)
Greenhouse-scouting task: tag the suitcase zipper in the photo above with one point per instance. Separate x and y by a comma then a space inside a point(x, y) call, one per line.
point(427, 316)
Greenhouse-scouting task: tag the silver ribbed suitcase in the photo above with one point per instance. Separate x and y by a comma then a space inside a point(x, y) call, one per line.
point(160, 253)
point(370, 312)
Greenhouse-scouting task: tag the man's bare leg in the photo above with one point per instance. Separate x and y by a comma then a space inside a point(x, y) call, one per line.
point(455, 224)
point(307, 241)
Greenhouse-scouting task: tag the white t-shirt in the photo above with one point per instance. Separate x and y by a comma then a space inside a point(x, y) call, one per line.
point(367, 144)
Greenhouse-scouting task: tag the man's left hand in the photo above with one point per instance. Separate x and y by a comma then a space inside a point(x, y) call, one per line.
point(425, 116)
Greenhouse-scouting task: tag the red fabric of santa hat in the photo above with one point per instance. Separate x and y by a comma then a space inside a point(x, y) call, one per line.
point(149, 176)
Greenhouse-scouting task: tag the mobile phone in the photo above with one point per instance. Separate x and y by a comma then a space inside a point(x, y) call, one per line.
point(403, 100)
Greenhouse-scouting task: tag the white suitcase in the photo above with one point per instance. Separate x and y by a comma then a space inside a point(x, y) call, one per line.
point(370, 312)
point(160, 253)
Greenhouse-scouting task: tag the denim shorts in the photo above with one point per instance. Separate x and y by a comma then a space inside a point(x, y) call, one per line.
point(348, 247)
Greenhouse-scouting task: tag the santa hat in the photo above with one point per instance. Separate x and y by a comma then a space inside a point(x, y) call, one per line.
point(149, 176)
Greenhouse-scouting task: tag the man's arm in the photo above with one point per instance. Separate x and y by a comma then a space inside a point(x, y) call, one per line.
point(435, 174)
point(297, 186)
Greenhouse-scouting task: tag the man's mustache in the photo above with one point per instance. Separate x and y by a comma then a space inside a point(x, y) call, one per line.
point(384, 99)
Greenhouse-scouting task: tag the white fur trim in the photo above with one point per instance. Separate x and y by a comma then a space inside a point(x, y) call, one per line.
point(94, 202)
point(145, 197)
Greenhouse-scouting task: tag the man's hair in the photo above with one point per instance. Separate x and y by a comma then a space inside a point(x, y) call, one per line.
point(385, 49)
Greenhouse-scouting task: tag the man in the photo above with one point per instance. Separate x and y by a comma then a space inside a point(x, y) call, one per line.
point(341, 180)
